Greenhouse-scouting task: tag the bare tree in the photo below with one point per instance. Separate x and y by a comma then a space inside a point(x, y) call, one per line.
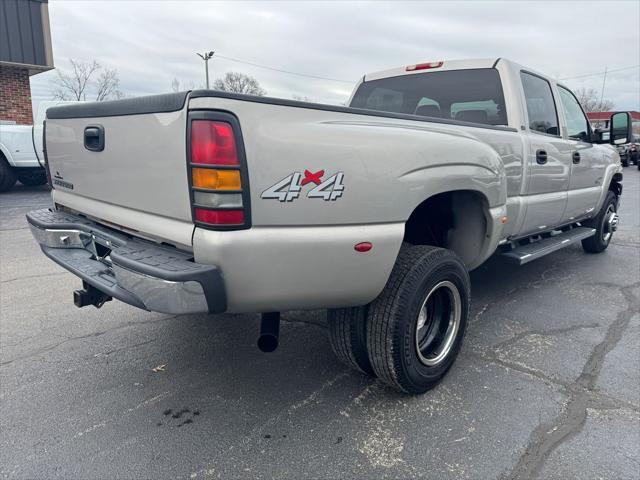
point(119, 95)
point(107, 85)
point(73, 85)
point(181, 86)
point(81, 80)
point(589, 98)
point(239, 83)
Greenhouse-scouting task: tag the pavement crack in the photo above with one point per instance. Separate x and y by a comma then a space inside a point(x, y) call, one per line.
point(128, 347)
point(545, 333)
point(13, 229)
point(36, 275)
point(547, 437)
point(53, 346)
point(490, 358)
point(542, 278)
point(591, 369)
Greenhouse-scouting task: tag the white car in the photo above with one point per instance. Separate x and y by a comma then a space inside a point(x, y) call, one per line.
point(21, 153)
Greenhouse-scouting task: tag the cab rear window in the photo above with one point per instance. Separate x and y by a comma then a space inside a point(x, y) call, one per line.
point(466, 95)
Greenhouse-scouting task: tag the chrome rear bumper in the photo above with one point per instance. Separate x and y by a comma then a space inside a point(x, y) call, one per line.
point(141, 273)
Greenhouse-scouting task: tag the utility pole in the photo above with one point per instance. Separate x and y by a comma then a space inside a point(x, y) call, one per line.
point(206, 57)
point(604, 79)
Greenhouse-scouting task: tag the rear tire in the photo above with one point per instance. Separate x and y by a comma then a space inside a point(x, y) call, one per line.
point(416, 325)
point(7, 176)
point(603, 224)
point(348, 338)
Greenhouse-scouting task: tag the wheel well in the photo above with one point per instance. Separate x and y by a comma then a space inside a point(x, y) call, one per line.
point(455, 220)
point(615, 186)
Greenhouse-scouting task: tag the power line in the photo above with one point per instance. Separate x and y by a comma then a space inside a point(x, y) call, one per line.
point(600, 73)
point(351, 82)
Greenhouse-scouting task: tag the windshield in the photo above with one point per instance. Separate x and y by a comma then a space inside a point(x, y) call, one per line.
point(466, 95)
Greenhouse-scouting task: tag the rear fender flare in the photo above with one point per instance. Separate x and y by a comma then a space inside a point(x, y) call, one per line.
point(489, 183)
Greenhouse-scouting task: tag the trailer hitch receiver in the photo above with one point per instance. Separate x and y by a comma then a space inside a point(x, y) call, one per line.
point(89, 295)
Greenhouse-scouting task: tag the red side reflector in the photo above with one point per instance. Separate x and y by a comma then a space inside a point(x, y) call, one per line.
point(424, 66)
point(213, 143)
point(220, 217)
point(363, 247)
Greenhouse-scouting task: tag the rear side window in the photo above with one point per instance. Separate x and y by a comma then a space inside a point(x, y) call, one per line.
point(467, 95)
point(541, 108)
point(577, 124)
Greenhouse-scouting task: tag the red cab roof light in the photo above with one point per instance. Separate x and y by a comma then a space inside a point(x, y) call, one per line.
point(424, 66)
point(213, 143)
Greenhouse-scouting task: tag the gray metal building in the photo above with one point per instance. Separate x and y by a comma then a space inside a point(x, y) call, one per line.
point(25, 50)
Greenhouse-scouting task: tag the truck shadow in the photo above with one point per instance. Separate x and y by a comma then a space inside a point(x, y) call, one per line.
point(219, 353)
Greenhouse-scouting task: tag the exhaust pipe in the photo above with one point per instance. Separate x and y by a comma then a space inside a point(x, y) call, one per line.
point(269, 331)
point(89, 295)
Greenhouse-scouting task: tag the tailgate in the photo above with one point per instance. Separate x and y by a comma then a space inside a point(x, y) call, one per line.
point(124, 163)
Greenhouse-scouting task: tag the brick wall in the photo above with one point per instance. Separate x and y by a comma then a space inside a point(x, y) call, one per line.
point(15, 95)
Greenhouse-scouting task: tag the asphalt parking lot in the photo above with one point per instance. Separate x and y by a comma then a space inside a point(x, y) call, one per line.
point(547, 385)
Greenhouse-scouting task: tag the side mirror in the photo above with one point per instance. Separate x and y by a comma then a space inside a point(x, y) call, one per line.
point(597, 136)
point(620, 128)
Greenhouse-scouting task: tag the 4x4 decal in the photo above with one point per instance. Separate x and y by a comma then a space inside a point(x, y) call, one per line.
point(290, 187)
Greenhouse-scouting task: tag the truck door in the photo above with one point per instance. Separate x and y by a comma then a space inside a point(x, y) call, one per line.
point(548, 160)
point(587, 161)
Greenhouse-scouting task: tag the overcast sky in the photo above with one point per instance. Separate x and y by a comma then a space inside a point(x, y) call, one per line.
point(152, 42)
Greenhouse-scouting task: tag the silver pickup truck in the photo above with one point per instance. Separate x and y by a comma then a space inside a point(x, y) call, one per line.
point(210, 202)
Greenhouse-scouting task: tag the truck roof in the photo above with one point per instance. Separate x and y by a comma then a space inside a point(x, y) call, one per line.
point(446, 65)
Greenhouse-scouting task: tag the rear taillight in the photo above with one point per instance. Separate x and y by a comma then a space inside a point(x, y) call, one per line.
point(424, 66)
point(219, 185)
point(219, 217)
point(213, 143)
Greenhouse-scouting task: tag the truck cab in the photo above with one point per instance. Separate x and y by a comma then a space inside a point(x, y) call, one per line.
point(556, 172)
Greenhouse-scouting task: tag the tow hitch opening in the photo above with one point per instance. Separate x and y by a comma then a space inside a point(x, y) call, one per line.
point(89, 295)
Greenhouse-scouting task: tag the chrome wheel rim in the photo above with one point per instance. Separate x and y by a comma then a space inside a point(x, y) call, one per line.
point(611, 220)
point(438, 323)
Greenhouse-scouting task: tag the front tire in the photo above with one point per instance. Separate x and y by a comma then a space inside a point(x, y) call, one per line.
point(605, 223)
point(7, 176)
point(416, 325)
